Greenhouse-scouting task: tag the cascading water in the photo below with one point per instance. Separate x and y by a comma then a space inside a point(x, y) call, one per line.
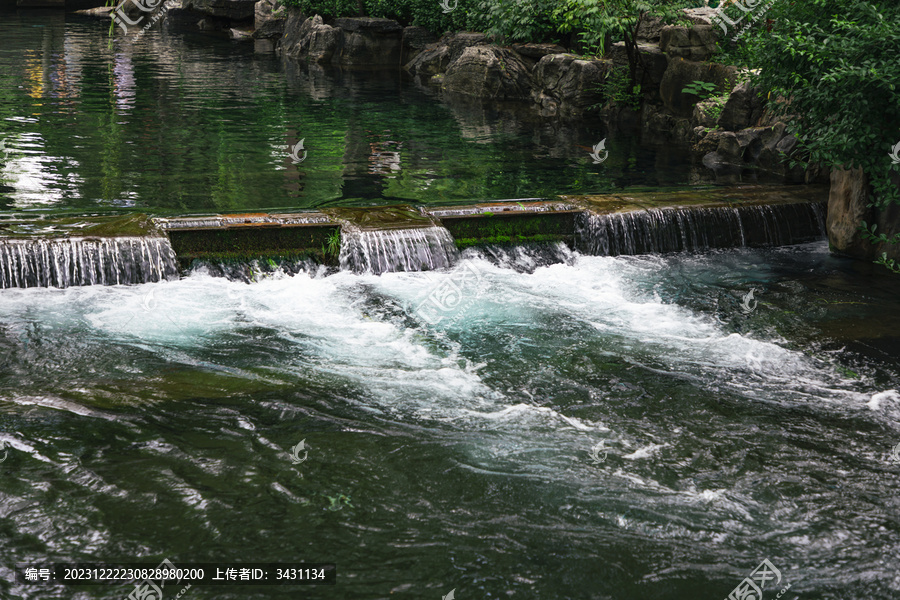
point(688, 229)
point(85, 261)
point(382, 251)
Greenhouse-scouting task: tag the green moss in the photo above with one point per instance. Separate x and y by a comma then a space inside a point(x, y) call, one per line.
point(463, 243)
point(246, 243)
point(129, 225)
point(510, 228)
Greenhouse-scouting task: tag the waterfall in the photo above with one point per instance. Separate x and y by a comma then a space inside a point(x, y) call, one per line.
point(682, 229)
point(65, 262)
point(387, 250)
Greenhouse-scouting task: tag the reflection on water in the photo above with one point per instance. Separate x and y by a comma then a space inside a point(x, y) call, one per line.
point(179, 122)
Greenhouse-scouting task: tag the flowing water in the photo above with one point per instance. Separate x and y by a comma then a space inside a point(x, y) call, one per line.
point(514, 423)
point(76, 261)
point(600, 427)
point(392, 250)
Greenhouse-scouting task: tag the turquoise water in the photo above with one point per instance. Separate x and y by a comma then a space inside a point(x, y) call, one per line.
point(584, 427)
point(157, 421)
point(183, 122)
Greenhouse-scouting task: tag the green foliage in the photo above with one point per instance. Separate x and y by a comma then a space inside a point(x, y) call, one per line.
point(701, 89)
point(332, 246)
point(889, 263)
point(869, 234)
point(522, 20)
point(598, 22)
point(718, 105)
point(465, 14)
point(835, 63)
point(617, 88)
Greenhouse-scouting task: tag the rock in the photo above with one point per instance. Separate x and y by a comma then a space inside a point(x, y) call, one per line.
point(567, 85)
point(650, 29)
point(709, 142)
point(787, 144)
point(235, 10)
point(651, 68)
point(743, 109)
point(269, 21)
point(704, 113)
point(729, 148)
point(459, 42)
point(100, 11)
point(681, 73)
point(700, 16)
point(694, 43)
point(847, 209)
point(413, 41)
point(488, 72)
point(315, 41)
point(538, 51)
point(370, 24)
point(368, 41)
point(292, 27)
point(356, 42)
point(436, 58)
point(241, 35)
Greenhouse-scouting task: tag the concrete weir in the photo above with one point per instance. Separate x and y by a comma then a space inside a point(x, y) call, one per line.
point(403, 238)
point(386, 238)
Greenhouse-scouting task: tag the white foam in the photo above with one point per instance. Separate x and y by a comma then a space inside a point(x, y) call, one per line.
point(888, 395)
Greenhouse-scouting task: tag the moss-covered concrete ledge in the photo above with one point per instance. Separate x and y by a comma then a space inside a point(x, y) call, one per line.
point(317, 235)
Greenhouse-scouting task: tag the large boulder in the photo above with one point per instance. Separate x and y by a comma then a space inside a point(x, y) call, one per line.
point(269, 19)
point(413, 41)
point(435, 58)
point(848, 207)
point(234, 10)
point(313, 41)
point(488, 72)
point(368, 41)
point(681, 73)
point(693, 43)
point(652, 64)
point(743, 109)
point(538, 51)
point(650, 29)
point(350, 42)
point(566, 85)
